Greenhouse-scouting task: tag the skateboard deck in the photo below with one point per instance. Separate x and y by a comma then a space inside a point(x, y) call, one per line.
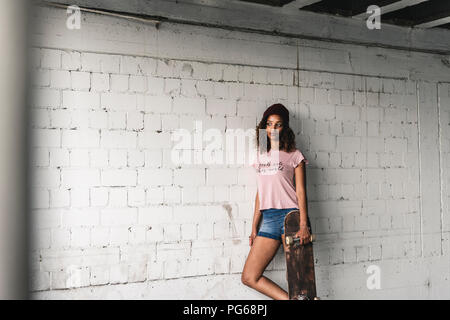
point(299, 261)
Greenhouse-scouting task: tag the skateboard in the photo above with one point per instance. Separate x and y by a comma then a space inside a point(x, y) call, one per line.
point(299, 261)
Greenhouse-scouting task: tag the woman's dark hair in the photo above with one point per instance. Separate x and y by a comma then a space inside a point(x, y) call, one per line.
point(287, 137)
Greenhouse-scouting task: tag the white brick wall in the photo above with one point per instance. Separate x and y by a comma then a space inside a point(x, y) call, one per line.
point(109, 206)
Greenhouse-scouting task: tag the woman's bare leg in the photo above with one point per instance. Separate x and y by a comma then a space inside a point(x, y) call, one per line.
point(261, 253)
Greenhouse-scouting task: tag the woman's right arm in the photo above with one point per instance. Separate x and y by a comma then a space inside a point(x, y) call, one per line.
point(256, 217)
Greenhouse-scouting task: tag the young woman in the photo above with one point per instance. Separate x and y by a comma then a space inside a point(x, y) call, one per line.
point(276, 196)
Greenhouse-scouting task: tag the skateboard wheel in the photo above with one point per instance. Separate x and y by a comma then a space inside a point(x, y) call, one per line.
point(289, 240)
point(313, 237)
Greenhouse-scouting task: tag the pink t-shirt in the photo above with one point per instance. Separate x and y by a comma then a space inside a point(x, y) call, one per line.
point(275, 178)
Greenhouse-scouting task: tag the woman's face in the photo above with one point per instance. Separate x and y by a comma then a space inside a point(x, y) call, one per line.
point(274, 122)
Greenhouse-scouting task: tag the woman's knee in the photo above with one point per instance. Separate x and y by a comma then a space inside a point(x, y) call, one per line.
point(249, 279)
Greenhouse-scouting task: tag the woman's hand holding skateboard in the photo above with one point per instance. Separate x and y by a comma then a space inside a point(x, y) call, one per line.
point(303, 235)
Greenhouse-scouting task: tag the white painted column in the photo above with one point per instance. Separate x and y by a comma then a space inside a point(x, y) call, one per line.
point(13, 230)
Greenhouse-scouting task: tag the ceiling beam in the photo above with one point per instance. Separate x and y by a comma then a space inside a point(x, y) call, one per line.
point(246, 17)
point(275, 3)
point(394, 7)
point(298, 4)
point(434, 23)
point(346, 8)
point(424, 12)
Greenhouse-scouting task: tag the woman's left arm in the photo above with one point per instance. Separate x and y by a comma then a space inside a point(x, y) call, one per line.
point(300, 189)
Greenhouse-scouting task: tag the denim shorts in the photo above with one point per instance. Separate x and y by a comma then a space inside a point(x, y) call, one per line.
point(272, 225)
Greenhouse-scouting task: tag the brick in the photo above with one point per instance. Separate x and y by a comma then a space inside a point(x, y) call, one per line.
point(40, 198)
point(155, 86)
point(118, 273)
point(43, 177)
point(40, 239)
point(59, 198)
point(118, 197)
point(323, 142)
point(80, 80)
point(80, 119)
point(172, 87)
point(60, 238)
point(40, 118)
point(100, 62)
point(41, 78)
point(138, 83)
point(61, 118)
point(80, 177)
point(45, 98)
point(172, 194)
point(98, 196)
point(50, 59)
point(158, 104)
point(79, 197)
point(118, 216)
point(205, 193)
point(136, 197)
point(189, 88)
point(98, 119)
point(100, 236)
point(155, 270)
point(155, 177)
point(137, 272)
point(136, 158)
point(323, 112)
point(221, 107)
point(71, 60)
point(189, 106)
point(118, 158)
point(59, 157)
point(40, 157)
point(100, 82)
point(46, 137)
point(154, 140)
point(119, 177)
point(119, 101)
point(99, 275)
point(205, 88)
point(118, 139)
point(119, 82)
point(117, 120)
point(86, 138)
point(119, 235)
point(221, 177)
point(80, 217)
point(135, 121)
point(79, 158)
point(347, 113)
point(79, 237)
point(155, 215)
point(155, 195)
point(80, 100)
point(348, 144)
point(98, 158)
point(172, 232)
point(152, 121)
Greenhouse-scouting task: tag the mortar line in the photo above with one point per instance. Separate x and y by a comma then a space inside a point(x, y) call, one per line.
point(441, 173)
point(419, 168)
point(223, 63)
